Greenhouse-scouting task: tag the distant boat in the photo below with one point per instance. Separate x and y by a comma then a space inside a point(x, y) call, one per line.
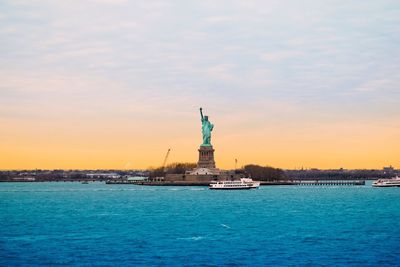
point(244, 183)
point(85, 182)
point(393, 182)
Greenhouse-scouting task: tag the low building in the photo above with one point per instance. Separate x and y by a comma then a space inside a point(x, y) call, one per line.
point(205, 171)
point(137, 179)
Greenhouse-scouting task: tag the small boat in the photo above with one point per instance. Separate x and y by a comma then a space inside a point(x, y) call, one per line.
point(393, 182)
point(85, 182)
point(244, 183)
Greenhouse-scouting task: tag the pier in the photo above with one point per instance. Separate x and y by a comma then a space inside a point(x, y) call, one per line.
point(263, 183)
point(330, 182)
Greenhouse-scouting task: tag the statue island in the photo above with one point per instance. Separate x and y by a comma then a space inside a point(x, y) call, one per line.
point(206, 170)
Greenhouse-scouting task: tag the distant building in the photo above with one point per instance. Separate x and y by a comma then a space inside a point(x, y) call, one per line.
point(137, 179)
point(389, 169)
point(110, 175)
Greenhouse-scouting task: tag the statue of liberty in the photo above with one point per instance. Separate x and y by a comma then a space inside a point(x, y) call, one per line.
point(206, 128)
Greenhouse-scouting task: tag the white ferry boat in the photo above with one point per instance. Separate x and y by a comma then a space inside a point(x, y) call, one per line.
point(393, 182)
point(244, 183)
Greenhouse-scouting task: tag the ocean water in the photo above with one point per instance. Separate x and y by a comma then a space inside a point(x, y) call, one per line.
point(120, 225)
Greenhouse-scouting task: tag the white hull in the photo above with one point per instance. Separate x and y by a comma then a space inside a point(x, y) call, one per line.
point(394, 182)
point(244, 183)
point(229, 188)
point(386, 185)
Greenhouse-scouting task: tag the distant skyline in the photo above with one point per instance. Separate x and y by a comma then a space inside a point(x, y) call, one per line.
point(114, 84)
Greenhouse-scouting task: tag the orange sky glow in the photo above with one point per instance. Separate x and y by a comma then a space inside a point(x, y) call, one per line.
point(113, 84)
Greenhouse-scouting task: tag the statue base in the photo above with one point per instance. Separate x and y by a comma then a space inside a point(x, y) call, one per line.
point(206, 157)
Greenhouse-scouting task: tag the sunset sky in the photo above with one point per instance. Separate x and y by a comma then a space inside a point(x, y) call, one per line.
point(114, 84)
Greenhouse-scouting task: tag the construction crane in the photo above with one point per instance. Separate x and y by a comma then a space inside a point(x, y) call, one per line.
point(165, 159)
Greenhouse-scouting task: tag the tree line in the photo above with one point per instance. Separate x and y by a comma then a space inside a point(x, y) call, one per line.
point(177, 168)
point(264, 173)
point(257, 172)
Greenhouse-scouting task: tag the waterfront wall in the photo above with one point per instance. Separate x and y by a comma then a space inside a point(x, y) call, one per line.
point(203, 178)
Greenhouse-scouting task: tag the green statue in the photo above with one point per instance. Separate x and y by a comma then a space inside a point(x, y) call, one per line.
point(206, 128)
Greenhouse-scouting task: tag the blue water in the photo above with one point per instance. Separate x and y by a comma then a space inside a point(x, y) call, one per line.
point(114, 225)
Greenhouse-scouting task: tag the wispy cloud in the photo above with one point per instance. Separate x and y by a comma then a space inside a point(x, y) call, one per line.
point(282, 55)
point(154, 60)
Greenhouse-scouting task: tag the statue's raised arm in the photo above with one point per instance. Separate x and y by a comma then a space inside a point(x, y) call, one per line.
point(201, 113)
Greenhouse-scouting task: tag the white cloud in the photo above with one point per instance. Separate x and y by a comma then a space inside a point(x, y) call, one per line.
point(218, 19)
point(388, 84)
point(310, 53)
point(282, 55)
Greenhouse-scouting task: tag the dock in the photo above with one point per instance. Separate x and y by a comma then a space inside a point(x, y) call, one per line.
point(120, 181)
point(189, 183)
point(330, 182)
point(262, 183)
point(159, 183)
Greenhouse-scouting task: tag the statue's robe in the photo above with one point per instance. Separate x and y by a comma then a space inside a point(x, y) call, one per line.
point(206, 128)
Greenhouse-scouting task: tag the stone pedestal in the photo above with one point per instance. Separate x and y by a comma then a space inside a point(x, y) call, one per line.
point(206, 157)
